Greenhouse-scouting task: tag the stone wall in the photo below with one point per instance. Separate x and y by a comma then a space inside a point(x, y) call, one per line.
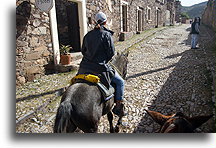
point(33, 41)
point(110, 8)
point(113, 12)
point(209, 19)
point(171, 7)
point(143, 5)
point(209, 14)
point(178, 11)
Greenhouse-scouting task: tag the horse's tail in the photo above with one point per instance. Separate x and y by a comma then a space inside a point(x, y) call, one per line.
point(63, 117)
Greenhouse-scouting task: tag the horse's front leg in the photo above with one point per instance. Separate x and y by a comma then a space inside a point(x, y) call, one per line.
point(110, 119)
point(118, 124)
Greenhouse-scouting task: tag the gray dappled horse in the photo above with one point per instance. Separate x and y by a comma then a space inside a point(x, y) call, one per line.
point(82, 105)
point(177, 123)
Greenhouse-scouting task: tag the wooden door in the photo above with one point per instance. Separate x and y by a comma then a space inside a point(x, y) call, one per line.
point(157, 18)
point(73, 26)
point(139, 20)
point(124, 17)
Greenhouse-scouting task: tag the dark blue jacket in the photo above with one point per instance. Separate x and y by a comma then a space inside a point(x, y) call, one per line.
point(193, 28)
point(97, 49)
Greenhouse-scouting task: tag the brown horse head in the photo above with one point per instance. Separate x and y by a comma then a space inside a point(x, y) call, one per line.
point(177, 123)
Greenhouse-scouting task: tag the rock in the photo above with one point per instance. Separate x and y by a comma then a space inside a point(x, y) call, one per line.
point(41, 48)
point(42, 30)
point(35, 120)
point(33, 56)
point(21, 43)
point(36, 31)
point(21, 80)
point(33, 70)
point(36, 23)
point(36, 16)
point(46, 53)
point(133, 109)
point(29, 30)
point(34, 41)
point(26, 49)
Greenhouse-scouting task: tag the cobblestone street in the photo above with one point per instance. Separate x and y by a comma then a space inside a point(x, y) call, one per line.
point(164, 75)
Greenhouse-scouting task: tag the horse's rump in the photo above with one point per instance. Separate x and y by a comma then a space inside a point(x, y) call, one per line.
point(82, 106)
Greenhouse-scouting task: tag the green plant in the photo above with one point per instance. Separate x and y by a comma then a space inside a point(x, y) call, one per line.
point(184, 14)
point(65, 49)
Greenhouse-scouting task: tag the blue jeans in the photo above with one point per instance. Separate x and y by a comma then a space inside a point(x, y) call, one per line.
point(119, 86)
point(194, 40)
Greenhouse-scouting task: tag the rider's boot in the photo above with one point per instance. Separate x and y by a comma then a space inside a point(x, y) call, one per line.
point(119, 109)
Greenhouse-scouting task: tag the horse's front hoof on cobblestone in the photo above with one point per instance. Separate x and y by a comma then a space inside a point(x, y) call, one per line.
point(117, 129)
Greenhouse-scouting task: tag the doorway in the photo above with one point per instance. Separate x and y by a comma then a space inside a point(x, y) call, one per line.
point(124, 18)
point(73, 26)
point(139, 20)
point(68, 24)
point(157, 18)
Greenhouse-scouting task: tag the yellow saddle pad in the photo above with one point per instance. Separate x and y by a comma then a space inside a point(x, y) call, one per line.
point(106, 93)
point(88, 77)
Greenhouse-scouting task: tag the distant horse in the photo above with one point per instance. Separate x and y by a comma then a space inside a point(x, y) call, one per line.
point(177, 123)
point(82, 105)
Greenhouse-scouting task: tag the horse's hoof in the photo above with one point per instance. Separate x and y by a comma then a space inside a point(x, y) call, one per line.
point(112, 130)
point(116, 129)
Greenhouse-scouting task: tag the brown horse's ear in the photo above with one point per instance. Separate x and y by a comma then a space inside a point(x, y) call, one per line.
point(158, 117)
point(198, 120)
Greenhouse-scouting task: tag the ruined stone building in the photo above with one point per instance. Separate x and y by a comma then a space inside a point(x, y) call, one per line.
point(39, 34)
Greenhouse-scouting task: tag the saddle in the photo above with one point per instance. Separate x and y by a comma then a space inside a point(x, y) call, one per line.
point(107, 93)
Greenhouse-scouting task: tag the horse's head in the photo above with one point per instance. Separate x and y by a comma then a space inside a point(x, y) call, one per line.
point(177, 123)
point(120, 61)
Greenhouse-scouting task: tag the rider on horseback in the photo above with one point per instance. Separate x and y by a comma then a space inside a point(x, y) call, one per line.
point(98, 49)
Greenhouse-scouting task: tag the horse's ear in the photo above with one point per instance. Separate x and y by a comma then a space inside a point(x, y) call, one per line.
point(158, 117)
point(198, 120)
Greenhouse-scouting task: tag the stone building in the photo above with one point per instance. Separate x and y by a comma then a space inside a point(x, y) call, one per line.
point(39, 34)
point(209, 14)
point(124, 17)
point(171, 7)
point(34, 47)
point(178, 11)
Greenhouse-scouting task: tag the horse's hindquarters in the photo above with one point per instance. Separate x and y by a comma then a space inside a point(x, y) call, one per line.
point(87, 109)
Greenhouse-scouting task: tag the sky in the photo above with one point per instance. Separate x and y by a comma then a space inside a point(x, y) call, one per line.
point(191, 2)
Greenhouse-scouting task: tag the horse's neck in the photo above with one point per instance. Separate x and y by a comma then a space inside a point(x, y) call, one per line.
point(119, 62)
point(116, 63)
